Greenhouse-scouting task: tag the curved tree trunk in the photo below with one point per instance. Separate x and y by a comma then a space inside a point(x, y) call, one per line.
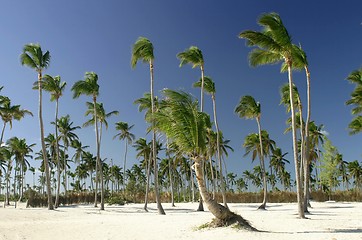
point(307, 146)
point(2, 133)
point(154, 150)
point(295, 146)
point(45, 157)
point(223, 214)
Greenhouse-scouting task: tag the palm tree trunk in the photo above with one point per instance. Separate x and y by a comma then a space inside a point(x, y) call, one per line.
point(295, 146)
point(124, 167)
point(262, 165)
point(57, 154)
point(45, 157)
point(2, 133)
point(219, 152)
point(148, 160)
point(154, 150)
point(223, 214)
point(99, 162)
point(307, 147)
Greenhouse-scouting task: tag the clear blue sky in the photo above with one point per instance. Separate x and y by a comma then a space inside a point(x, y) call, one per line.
point(89, 35)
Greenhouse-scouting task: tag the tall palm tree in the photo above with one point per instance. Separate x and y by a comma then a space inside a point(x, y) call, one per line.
point(275, 45)
point(278, 160)
point(180, 120)
point(55, 87)
point(193, 56)
point(10, 112)
point(250, 109)
point(89, 86)
point(34, 58)
point(355, 170)
point(128, 137)
point(5, 155)
point(143, 50)
point(79, 150)
point(210, 88)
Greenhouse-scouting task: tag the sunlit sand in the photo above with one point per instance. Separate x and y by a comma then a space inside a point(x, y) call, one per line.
point(328, 220)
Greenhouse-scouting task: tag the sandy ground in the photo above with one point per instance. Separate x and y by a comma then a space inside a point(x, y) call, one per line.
point(329, 221)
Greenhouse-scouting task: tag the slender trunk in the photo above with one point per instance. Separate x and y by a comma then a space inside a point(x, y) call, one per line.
point(212, 178)
point(307, 147)
point(2, 133)
point(45, 157)
point(219, 152)
point(154, 150)
point(192, 185)
point(57, 154)
point(295, 146)
point(124, 167)
point(65, 168)
point(148, 162)
point(262, 165)
point(99, 162)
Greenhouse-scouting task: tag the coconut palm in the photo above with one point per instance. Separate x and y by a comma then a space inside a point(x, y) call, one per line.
point(10, 112)
point(34, 58)
point(79, 150)
point(275, 45)
point(180, 120)
point(55, 87)
point(209, 87)
point(67, 135)
point(89, 86)
point(193, 56)
point(5, 156)
point(277, 161)
point(355, 125)
point(20, 150)
point(143, 50)
point(250, 109)
point(128, 137)
point(355, 170)
point(355, 77)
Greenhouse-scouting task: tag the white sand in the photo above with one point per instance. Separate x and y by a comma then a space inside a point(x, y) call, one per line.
point(329, 221)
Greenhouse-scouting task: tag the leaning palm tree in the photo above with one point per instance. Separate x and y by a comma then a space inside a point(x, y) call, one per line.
point(210, 88)
point(182, 123)
point(275, 45)
point(55, 87)
point(89, 86)
point(34, 58)
point(250, 109)
point(143, 50)
point(128, 137)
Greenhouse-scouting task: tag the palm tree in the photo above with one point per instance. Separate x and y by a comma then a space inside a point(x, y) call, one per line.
point(193, 56)
point(277, 161)
point(55, 87)
point(89, 86)
point(128, 137)
point(356, 100)
point(79, 150)
point(143, 50)
point(20, 149)
point(180, 120)
point(209, 87)
point(248, 108)
point(34, 58)
point(9, 112)
point(355, 170)
point(275, 45)
point(5, 156)
point(67, 135)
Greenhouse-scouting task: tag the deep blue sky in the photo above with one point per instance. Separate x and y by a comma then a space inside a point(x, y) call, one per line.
point(89, 35)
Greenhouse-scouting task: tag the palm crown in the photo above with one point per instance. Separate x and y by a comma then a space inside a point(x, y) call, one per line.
point(33, 57)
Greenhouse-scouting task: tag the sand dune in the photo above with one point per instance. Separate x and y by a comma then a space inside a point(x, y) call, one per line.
point(328, 220)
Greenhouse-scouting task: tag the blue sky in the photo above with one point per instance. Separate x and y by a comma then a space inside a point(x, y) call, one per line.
point(89, 35)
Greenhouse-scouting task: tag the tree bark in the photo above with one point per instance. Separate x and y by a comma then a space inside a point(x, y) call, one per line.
point(295, 146)
point(45, 157)
point(262, 165)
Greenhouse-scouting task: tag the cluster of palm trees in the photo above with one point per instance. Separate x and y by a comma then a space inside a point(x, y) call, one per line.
point(194, 146)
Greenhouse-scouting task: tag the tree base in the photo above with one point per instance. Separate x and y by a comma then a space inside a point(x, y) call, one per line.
point(235, 220)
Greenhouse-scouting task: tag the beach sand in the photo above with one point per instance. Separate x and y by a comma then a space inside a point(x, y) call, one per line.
point(327, 220)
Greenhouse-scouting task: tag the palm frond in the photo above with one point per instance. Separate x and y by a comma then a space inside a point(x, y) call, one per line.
point(142, 50)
